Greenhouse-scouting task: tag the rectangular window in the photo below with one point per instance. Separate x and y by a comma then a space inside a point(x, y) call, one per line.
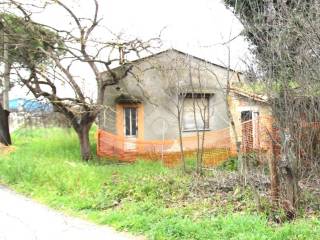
point(246, 116)
point(130, 121)
point(196, 112)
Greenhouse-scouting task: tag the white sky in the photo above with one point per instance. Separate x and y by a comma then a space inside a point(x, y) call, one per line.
point(197, 27)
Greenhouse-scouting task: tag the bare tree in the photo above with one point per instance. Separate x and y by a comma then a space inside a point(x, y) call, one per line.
point(79, 48)
point(188, 92)
point(285, 38)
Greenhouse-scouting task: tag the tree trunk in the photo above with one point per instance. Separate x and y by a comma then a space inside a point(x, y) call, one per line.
point(291, 178)
point(84, 140)
point(83, 130)
point(4, 127)
point(4, 108)
point(181, 143)
point(274, 175)
point(291, 186)
point(289, 169)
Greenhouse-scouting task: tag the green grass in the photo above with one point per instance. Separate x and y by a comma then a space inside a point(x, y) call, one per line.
point(143, 198)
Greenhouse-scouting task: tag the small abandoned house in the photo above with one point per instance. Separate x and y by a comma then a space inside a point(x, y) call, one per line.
point(169, 96)
point(253, 119)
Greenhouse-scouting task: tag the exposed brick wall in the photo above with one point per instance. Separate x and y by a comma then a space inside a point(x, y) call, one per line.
point(261, 124)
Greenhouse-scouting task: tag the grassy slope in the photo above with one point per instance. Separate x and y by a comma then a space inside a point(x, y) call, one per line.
point(142, 198)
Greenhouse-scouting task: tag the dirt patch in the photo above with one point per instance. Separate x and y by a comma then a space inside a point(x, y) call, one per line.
point(225, 192)
point(228, 182)
point(4, 150)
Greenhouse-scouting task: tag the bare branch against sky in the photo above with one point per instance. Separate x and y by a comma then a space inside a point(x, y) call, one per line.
point(198, 27)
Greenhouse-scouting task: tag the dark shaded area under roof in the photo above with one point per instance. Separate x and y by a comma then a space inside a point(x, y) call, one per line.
point(124, 98)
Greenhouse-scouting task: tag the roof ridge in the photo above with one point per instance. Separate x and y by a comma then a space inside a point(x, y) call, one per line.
point(180, 52)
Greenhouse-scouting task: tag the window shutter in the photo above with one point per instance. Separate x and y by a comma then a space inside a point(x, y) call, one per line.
point(198, 107)
point(188, 117)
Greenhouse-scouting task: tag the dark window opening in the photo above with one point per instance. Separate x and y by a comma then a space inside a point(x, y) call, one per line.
point(246, 116)
point(130, 121)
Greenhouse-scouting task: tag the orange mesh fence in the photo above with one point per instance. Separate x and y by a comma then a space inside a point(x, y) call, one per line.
point(259, 139)
point(256, 135)
point(215, 145)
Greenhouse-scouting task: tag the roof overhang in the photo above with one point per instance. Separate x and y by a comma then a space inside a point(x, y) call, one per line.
point(126, 99)
point(252, 96)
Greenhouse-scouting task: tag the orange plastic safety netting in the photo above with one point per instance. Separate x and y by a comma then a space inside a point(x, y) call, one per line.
point(214, 148)
point(256, 135)
point(259, 138)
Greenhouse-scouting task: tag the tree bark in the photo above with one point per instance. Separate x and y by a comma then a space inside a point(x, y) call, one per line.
point(4, 127)
point(289, 169)
point(6, 75)
point(82, 128)
point(291, 186)
point(291, 178)
point(84, 140)
point(274, 177)
point(4, 107)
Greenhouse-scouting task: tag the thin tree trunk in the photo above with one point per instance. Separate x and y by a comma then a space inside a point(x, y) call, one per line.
point(291, 186)
point(203, 139)
point(291, 177)
point(6, 75)
point(274, 174)
point(4, 127)
point(274, 179)
point(198, 167)
point(4, 108)
point(181, 143)
point(238, 143)
point(241, 165)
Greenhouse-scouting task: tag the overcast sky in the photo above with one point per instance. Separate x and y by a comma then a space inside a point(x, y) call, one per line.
point(197, 27)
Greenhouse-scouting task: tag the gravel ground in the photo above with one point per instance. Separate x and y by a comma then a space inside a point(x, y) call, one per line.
point(23, 218)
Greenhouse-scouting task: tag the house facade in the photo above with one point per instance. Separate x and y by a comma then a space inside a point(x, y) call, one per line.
point(171, 101)
point(162, 90)
point(253, 120)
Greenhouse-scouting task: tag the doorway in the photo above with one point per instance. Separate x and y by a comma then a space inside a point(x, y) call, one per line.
point(130, 125)
point(247, 131)
point(130, 128)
